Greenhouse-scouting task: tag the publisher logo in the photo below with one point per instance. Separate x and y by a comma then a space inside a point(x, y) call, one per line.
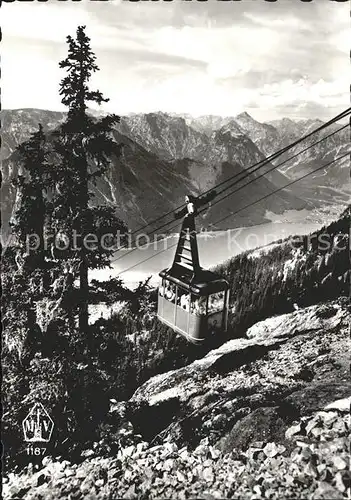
point(38, 425)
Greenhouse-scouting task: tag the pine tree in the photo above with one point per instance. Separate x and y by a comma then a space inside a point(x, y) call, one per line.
point(33, 185)
point(25, 268)
point(85, 146)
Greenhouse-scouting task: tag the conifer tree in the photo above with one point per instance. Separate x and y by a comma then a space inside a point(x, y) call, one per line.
point(25, 268)
point(85, 146)
point(33, 184)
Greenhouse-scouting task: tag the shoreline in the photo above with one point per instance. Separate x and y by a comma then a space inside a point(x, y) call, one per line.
point(322, 216)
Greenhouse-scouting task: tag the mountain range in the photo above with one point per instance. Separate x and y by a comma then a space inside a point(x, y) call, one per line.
point(165, 157)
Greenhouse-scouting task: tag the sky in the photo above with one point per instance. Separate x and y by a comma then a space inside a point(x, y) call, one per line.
point(284, 59)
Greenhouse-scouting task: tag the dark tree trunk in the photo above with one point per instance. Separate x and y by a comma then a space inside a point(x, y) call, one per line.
point(84, 268)
point(84, 296)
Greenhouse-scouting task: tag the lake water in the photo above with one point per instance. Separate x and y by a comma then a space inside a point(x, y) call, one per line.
point(214, 248)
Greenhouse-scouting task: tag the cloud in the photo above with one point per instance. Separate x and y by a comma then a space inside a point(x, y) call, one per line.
point(209, 57)
point(159, 58)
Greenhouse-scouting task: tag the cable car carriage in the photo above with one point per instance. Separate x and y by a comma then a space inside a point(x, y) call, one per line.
point(191, 300)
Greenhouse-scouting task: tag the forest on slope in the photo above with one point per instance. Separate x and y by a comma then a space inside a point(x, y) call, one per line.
point(299, 271)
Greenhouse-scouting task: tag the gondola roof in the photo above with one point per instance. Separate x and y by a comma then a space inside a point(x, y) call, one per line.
point(202, 282)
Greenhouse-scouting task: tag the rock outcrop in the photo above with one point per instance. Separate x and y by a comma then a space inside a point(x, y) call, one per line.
point(266, 416)
point(294, 362)
point(313, 463)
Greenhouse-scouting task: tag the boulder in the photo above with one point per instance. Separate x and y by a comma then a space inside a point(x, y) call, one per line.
point(150, 420)
point(316, 395)
point(263, 424)
point(343, 405)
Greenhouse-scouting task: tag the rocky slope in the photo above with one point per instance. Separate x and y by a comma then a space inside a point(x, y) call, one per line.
point(245, 141)
point(18, 124)
point(241, 140)
point(261, 417)
point(265, 136)
point(206, 124)
point(169, 137)
point(292, 363)
point(332, 183)
point(327, 185)
point(290, 130)
point(139, 184)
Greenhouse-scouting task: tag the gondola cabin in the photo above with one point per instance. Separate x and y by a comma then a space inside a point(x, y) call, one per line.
point(197, 309)
point(191, 300)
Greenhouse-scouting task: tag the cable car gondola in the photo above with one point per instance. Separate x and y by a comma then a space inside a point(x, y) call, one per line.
point(191, 300)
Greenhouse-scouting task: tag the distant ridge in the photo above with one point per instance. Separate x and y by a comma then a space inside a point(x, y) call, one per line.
point(167, 156)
